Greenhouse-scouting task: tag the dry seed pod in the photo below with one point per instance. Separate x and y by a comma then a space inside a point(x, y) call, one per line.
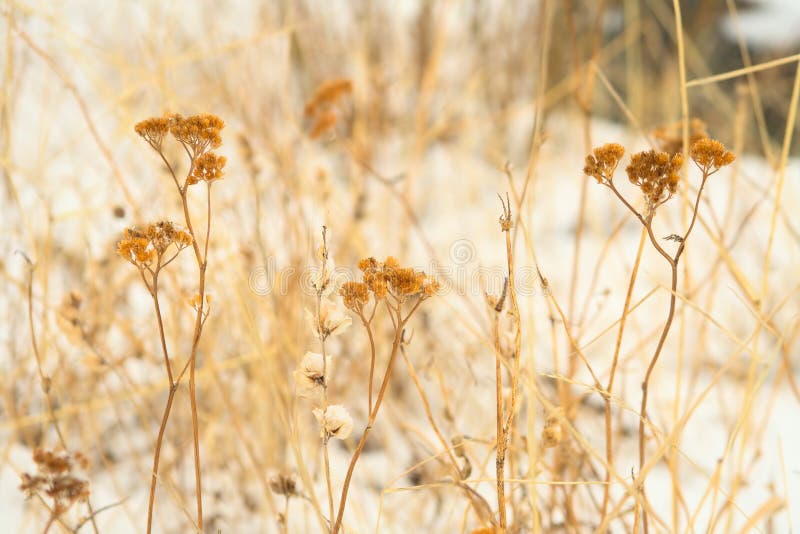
point(552, 432)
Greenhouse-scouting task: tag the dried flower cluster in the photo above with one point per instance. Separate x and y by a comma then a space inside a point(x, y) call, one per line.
point(355, 295)
point(389, 278)
point(656, 174)
point(145, 248)
point(55, 479)
point(603, 161)
point(710, 155)
point(208, 167)
point(284, 484)
point(322, 108)
point(199, 134)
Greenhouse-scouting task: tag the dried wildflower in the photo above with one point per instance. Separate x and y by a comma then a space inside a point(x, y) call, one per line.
point(328, 94)
point(324, 122)
point(135, 248)
point(197, 133)
point(145, 247)
point(656, 174)
point(284, 484)
point(710, 155)
point(321, 109)
point(603, 161)
point(207, 167)
point(552, 431)
point(153, 131)
point(334, 421)
point(55, 479)
point(309, 378)
point(670, 136)
point(400, 282)
point(331, 320)
point(354, 295)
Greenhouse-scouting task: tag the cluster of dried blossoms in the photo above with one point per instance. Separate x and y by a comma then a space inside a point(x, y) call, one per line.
point(198, 134)
point(324, 109)
point(146, 248)
point(655, 173)
point(55, 478)
point(384, 279)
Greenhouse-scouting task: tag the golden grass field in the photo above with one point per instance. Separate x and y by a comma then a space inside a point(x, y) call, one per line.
point(424, 266)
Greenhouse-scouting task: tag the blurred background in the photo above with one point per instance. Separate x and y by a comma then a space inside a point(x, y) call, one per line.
point(447, 104)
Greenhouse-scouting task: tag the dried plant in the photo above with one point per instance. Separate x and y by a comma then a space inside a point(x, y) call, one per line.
point(56, 479)
point(656, 175)
point(152, 248)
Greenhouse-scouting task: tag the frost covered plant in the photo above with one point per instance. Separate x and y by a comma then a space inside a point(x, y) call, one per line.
point(152, 248)
point(656, 175)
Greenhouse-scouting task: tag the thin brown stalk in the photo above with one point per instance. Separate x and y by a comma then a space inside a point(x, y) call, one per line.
point(45, 384)
point(612, 374)
point(398, 332)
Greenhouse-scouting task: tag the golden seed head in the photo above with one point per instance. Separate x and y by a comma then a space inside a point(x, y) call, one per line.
point(354, 295)
point(603, 161)
point(283, 484)
point(207, 167)
point(197, 132)
point(656, 174)
point(153, 130)
point(710, 155)
point(144, 247)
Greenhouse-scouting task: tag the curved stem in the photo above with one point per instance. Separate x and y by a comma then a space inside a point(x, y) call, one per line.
point(157, 456)
point(373, 414)
point(609, 387)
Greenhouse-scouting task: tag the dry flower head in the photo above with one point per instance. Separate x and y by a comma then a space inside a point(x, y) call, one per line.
point(710, 155)
point(331, 319)
point(145, 247)
point(197, 133)
point(284, 484)
point(354, 295)
point(390, 278)
point(208, 167)
point(603, 161)
point(334, 421)
point(55, 478)
point(656, 174)
point(309, 378)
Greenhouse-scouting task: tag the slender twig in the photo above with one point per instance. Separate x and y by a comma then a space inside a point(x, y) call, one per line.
point(398, 332)
point(45, 385)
